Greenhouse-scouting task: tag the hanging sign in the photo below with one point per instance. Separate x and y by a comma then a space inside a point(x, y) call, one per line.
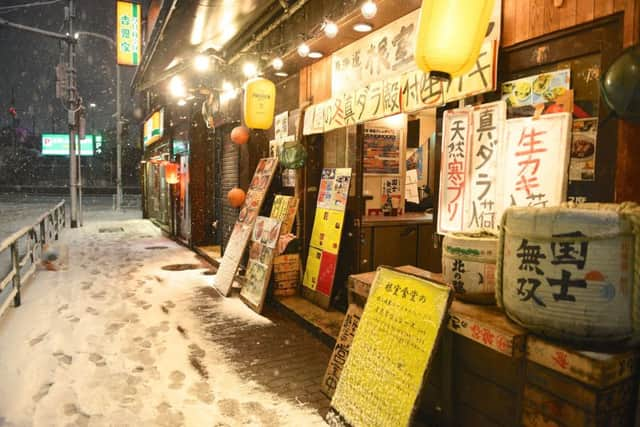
point(153, 128)
point(391, 101)
point(536, 160)
point(420, 91)
point(128, 33)
point(454, 186)
point(333, 114)
point(391, 350)
point(241, 231)
point(480, 79)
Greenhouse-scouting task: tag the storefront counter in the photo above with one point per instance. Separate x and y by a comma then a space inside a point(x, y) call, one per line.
point(399, 240)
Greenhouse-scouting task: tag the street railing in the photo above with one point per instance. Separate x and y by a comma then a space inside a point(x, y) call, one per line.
point(25, 248)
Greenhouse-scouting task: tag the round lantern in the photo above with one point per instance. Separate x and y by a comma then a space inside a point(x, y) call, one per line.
point(259, 103)
point(450, 35)
point(236, 197)
point(240, 135)
point(171, 173)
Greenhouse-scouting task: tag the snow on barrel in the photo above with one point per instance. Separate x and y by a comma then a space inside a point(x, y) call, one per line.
point(469, 265)
point(570, 272)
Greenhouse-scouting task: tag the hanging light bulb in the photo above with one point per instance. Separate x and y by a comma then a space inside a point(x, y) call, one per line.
point(277, 63)
point(303, 49)
point(249, 69)
point(201, 63)
point(330, 29)
point(369, 9)
point(176, 87)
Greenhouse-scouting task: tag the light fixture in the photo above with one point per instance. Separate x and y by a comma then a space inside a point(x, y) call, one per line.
point(281, 74)
point(277, 63)
point(450, 36)
point(176, 87)
point(303, 49)
point(369, 9)
point(201, 62)
point(92, 105)
point(226, 86)
point(330, 29)
point(362, 27)
point(76, 36)
point(315, 55)
point(182, 102)
point(249, 69)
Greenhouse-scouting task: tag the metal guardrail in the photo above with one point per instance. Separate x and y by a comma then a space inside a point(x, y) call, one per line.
point(32, 238)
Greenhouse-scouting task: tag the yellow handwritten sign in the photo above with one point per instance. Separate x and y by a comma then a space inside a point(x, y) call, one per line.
point(327, 230)
point(391, 350)
point(128, 33)
point(312, 272)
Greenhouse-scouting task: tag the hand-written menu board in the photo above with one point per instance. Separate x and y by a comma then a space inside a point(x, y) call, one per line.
point(264, 238)
point(243, 227)
point(327, 230)
point(284, 208)
point(391, 350)
point(381, 151)
point(341, 350)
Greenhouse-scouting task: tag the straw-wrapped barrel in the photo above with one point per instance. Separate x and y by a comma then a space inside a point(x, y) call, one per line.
point(571, 272)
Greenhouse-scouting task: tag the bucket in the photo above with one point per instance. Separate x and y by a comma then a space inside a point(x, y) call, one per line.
point(469, 265)
point(571, 272)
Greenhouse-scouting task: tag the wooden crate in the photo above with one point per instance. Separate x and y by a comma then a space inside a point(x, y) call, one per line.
point(286, 274)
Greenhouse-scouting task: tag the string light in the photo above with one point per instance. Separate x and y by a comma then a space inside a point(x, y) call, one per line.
point(176, 87)
point(369, 9)
point(303, 49)
point(249, 69)
point(277, 63)
point(201, 62)
point(330, 29)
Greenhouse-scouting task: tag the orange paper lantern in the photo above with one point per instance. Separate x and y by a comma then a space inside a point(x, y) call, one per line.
point(236, 197)
point(171, 173)
point(240, 135)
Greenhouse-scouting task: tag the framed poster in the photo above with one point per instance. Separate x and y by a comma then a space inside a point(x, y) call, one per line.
point(391, 351)
point(258, 188)
point(381, 151)
point(264, 239)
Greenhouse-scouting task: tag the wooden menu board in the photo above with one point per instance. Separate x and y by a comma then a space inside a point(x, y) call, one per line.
point(241, 231)
point(391, 351)
point(263, 246)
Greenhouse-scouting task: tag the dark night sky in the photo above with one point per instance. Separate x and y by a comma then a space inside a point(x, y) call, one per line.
point(28, 62)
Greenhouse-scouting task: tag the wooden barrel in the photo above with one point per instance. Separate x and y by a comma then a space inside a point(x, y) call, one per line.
point(571, 272)
point(469, 265)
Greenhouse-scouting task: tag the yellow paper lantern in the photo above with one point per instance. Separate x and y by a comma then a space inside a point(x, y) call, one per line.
point(450, 35)
point(259, 103)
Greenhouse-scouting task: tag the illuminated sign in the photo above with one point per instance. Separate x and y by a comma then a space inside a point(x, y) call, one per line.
point(128, 33)
point(153, 128)
point(57, 144)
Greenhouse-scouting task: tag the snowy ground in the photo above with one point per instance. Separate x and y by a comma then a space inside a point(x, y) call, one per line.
point(114, 339)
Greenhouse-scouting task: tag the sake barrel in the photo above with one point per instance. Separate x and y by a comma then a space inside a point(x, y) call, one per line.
point(469, 265)
point(571, 272)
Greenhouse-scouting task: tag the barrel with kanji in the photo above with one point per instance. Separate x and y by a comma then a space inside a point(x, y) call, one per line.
point(571, 272)
point(469, 265)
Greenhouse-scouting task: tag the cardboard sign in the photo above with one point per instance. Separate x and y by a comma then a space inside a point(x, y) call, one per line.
point(454, 186)
point(264, 238)
point(391, 351)
point(536, 160)
point(239, 237)
point(341, 350)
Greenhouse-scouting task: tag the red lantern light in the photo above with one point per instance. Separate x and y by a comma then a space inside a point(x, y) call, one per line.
point(236, 197)
point(171, 173)
point(240, 135)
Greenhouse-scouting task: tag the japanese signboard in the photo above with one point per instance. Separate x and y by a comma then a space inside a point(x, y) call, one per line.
point(128, 33)
point(536, 160)
point(488, 125)
point(481, 78)
point(284, 209)
point(327, 230)
point(264, 239)
point(391, 350)
point(244, 226)
point(153, 128)
point(57, 144)
point(454, 186)
point(281, 126)
point(341, 350)
point(420, 91)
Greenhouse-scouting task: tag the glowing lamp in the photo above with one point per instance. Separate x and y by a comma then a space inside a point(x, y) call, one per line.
point(450, 35)
point(240, 135)
point(259, 103)
point(236, 197)
point(171, 173)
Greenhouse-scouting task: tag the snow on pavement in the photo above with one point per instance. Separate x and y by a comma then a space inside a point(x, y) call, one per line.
point(113, 340)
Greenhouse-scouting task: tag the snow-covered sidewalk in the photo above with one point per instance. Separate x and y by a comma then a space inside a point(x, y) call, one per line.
point(115, 340)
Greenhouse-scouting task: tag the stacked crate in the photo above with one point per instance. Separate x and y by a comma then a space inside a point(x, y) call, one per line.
point(286, 274)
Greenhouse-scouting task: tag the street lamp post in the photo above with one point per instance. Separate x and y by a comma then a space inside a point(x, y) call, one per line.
point(118, 116)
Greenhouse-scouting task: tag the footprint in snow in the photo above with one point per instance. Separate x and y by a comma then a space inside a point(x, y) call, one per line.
point(202, 391)
point(92, 310)
point(63, 308)
point(37, 340)
point(42, 392)
point(177, 379)
point(97, 359)
point(63, 358)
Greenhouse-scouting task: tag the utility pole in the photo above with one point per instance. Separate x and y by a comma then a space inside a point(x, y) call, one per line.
point(73, 161)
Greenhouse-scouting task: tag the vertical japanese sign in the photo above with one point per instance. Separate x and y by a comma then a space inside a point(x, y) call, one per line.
point(128, 33)
point(454, 186)
point(485, 199)
point(536, 160)
point(391, 350)
point(574, 268)
point(327, 230)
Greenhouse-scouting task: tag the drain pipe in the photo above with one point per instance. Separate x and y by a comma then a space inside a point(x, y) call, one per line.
point(288, 12)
